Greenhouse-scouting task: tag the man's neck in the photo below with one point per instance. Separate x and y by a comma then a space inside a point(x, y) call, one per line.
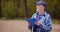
point(41, 13)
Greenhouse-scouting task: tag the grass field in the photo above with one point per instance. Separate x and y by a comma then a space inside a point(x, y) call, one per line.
point(20, 26)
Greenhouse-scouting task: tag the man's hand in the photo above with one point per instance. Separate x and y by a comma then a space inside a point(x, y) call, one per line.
point(28, 24)
point(37, 23)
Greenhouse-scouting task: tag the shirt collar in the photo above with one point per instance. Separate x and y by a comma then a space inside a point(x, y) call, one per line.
point(42, 14)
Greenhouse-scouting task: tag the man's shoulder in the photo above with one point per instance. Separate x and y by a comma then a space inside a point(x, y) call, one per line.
point(35, 13)
point(47, 14)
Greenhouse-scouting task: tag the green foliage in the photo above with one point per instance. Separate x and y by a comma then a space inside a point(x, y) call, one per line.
point(15, 8)
point(53, 7)
point(8, 9)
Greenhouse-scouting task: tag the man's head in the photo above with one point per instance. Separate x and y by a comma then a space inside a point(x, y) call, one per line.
point(40, 6)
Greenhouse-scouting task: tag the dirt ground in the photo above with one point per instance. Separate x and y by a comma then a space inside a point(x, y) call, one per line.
point(20, 26)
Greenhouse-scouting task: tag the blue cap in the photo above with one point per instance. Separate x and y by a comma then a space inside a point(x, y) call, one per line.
point(41, 3)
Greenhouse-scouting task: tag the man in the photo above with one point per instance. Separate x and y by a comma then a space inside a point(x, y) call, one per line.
point(44, 19)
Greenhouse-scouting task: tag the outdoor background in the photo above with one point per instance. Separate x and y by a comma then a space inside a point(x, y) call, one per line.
point(14, 12)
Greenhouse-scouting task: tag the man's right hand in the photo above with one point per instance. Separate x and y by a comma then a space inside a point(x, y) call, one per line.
point(37, 23)
point(28, 24)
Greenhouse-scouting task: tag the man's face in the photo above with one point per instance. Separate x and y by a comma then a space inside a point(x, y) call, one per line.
point(40, 9)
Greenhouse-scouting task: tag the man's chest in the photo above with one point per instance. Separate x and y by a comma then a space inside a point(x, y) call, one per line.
point(42, 19)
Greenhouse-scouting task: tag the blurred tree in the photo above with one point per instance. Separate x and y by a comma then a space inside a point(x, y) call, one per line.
point(0, 8)
point(16, 7)
point(25, 9)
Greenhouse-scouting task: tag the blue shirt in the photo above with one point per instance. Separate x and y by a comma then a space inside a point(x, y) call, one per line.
point(45, 21)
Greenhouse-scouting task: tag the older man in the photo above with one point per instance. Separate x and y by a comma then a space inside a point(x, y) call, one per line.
point(44, 19)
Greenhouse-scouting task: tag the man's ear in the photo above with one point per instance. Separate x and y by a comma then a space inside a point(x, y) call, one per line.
point(45, 8)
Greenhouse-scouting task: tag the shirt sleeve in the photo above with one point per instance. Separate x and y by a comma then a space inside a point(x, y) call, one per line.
point(47, 24)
